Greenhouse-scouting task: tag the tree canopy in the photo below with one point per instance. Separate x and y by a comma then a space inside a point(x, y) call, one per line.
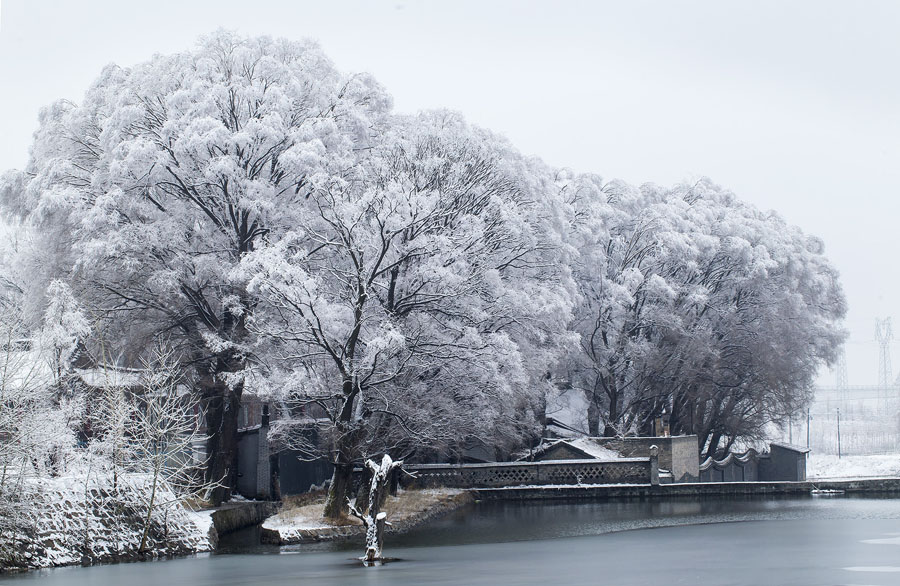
point(397, 282)
point(697, 306)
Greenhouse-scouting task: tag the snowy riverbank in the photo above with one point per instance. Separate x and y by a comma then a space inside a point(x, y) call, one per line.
point(876, 466)
point(409, 508)
point(61, 522)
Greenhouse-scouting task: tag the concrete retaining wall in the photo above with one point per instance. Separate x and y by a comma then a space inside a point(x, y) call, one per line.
point(59, 524)
point(879, 485)
point(234, 516)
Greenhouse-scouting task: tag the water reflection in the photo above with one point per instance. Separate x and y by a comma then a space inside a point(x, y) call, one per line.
point(491, 522)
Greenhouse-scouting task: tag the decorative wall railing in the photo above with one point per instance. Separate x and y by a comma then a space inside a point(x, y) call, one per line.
point(732, 468)
point(503, 474)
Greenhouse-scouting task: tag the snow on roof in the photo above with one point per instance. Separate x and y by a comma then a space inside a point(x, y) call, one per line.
point(594, 449)
point(587, 446)
point(25, 369)
point(110, 376)
point(792, 447)
point(26, 366)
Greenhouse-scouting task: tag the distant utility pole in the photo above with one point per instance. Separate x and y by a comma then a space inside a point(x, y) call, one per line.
point(839, 432)
point(808, 419)
point(884, 335)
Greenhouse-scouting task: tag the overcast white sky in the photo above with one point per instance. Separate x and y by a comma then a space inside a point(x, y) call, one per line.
point(794, 106)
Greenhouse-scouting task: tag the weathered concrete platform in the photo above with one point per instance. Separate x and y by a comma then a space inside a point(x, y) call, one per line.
point(608, 491)
point(237, 515)
point(287, 536)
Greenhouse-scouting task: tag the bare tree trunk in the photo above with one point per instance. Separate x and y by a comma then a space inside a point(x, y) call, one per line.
point(365, 487)
point(593, 416)
point(340, 487)
point(222, 409)
point(373, 519)
point(147, 519)
point(675, 415)
point(609, 430)
point(713, 444)
point(380, 522)
point(342, 478)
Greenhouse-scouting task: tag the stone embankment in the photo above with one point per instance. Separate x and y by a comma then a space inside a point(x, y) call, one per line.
point(239, 514)
point(58, 524)
point(607, 491)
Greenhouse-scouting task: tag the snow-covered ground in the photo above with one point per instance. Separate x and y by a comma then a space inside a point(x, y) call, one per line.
point(203, 520)
point(292, 523)
point(60, 521)
point(305, 518)
point(828, 466)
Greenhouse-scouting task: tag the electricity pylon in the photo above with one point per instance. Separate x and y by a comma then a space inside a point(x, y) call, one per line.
point(884, 335)
point(840, 375)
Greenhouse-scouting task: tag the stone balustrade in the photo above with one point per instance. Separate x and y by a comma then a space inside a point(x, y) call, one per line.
point(554, 472)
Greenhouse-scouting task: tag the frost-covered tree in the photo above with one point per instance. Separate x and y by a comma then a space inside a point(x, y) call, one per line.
point(37, 426)
point(698, 306)
point(65, 327)
point(121, 457)
point(421, 298)
point(161, 434)
point(11, 279)
point(401, 284)
point(153, 187)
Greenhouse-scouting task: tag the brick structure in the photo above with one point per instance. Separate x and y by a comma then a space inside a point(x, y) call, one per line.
point(677, 454)
point(254, 468)
point(783, 462)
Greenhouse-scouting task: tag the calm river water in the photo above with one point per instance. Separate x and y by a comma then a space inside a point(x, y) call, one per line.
point(798, 541)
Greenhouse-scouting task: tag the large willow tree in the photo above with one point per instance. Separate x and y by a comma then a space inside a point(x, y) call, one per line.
point(151, 190)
